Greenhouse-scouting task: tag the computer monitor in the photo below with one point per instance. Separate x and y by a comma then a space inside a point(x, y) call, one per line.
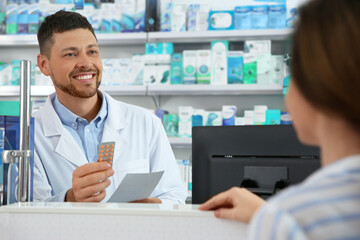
point(263, 159)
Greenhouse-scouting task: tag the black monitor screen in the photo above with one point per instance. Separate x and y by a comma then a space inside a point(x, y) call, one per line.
point(263, 159)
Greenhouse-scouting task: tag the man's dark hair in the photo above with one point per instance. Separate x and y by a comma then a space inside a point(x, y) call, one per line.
point(59, 22)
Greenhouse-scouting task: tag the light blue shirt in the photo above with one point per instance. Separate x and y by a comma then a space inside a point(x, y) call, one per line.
point(87, 135)
point(324, 206)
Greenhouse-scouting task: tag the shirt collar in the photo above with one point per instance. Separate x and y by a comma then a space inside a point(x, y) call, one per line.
point(70, 119)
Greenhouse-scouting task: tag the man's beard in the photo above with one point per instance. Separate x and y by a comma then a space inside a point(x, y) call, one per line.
point(71, 89)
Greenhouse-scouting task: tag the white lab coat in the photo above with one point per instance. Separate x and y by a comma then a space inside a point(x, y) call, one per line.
point(141, 146)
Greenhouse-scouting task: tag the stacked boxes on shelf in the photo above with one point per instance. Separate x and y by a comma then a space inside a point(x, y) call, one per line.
point(251, 14)
point(25, 16)
point(180, 125)
point(10, 75)
point(161, 66)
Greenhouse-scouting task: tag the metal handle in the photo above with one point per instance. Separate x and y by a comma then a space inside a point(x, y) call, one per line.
point(24, 162)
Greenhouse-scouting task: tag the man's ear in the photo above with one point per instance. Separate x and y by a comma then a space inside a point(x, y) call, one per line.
point(43, 63)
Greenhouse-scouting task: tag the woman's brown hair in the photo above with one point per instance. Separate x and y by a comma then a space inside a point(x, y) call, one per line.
point(326, 57)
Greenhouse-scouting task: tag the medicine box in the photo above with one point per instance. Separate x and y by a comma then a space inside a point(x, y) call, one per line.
point(221, 20)
point(176, 69)
point(235, 67)
point(203, 63)
point(189, 65)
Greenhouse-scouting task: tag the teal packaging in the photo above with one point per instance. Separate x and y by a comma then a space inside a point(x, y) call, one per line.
point(64, 1)
point(286, 84)
point(197, 120)
point(235, 67)
point(128, 13)
point(171, 125)
point(106, 19)
point(166, 12)
point(33, 18)
point(221, 20)
point(259, 17)
point(2, 23)
point(159, 48)
point(176, 69)
point(11, 19)
point(277, 16)
point(273, 117)
point(214, 119)
point(189, 67)
point(116, 18)
point(203, 69)
point(242, 17)
point(22, 19)
point(250, 73)
point(15, 77)
point(139, 16)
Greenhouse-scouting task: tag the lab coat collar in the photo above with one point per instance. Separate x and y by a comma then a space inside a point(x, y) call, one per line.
point(53, 126)
point(50, 120)
point(116, 119)
point(67, 146)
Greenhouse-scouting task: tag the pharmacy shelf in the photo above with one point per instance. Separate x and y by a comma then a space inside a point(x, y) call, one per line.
point(235, 89)
point(121, 38)
point(178, 37)
point(36, 91)
point(103, 38)
point(180, 142)
point(125, 90)
point(159, 90)
point(44, 91)
point(230, 35)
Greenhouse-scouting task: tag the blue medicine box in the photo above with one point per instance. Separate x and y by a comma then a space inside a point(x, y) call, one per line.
point(10, 141)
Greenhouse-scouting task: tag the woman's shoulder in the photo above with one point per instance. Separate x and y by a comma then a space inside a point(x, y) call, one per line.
point(327, 200)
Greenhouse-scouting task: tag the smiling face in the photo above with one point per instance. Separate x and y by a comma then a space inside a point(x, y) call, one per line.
point(75, 65)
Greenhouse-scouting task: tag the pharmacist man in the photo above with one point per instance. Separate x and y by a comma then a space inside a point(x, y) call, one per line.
point(78, 117)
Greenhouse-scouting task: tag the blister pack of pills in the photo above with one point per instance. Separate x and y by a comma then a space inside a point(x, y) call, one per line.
point(106, 152)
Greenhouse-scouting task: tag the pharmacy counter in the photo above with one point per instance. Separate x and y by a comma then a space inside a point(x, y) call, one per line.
point(113, 221)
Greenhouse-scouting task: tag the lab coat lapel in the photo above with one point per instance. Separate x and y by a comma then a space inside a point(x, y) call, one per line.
point(65, 145)
point(69, 149)
point(114, 123)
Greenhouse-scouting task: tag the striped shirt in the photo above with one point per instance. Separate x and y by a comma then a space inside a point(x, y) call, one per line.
point(325, 206)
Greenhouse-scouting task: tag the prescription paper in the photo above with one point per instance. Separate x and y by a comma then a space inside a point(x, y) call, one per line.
point(136, 186)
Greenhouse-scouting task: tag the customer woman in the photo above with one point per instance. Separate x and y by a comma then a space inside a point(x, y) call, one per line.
point(324, 101)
